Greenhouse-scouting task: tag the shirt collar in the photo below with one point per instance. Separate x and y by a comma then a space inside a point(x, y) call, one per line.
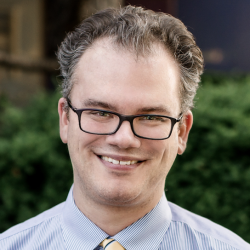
point(81, 233)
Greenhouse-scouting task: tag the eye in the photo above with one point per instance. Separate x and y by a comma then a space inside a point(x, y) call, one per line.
point(153, 118)
point(100, 113)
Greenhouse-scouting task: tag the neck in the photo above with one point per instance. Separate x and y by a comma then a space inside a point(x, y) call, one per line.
point(114, 218)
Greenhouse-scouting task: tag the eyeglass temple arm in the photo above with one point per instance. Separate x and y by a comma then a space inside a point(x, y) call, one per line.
point(69, 103)
point(180, 117)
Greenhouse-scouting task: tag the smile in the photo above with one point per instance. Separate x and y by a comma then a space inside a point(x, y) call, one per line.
point(108, 159)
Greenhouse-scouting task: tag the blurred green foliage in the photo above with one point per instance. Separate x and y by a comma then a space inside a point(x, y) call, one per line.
point(212, 178)
point(35, 170)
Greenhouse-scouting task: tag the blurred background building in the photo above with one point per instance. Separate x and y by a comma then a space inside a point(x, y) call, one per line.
point(31, 31)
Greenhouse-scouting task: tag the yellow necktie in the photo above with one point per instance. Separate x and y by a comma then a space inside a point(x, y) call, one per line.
point(111, 244)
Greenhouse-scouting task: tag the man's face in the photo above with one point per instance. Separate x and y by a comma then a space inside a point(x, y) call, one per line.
point(115, 80)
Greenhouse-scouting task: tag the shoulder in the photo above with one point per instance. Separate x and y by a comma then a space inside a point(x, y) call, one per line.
point(33, 230)
point(205, 231)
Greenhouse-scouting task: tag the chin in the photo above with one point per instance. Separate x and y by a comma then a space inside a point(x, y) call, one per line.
point(119, 197)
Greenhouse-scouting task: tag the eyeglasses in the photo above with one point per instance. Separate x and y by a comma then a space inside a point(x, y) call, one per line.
point(146, 126)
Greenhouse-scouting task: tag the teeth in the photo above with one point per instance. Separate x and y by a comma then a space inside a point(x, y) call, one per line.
point(124, 162)
point(105, 158)
point(114, 161)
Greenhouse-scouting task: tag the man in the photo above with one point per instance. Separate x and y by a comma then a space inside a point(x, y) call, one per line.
point(129, 79)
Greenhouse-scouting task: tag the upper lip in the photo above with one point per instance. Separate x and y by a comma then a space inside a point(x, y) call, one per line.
point(122, 158)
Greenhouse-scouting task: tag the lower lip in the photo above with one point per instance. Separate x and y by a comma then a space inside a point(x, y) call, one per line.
point(118, 166)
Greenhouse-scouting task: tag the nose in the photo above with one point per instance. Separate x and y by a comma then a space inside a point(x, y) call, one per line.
point(124, 137)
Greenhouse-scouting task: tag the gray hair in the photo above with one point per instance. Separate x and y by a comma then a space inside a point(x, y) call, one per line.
point(135, 29)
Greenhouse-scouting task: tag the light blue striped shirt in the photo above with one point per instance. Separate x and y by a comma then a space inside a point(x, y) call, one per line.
point(167, 226)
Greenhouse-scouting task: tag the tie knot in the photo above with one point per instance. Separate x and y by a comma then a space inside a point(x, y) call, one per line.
point(111, 244)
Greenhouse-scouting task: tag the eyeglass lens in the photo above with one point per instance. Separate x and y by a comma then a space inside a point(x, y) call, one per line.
point(101, 122)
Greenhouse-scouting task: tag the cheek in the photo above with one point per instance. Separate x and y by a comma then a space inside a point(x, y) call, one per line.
point(167, 152)
point(73, 138)
point(81, 145)
point(77, 141)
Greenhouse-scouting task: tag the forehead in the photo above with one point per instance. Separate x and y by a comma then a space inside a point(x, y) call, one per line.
point(113, 74)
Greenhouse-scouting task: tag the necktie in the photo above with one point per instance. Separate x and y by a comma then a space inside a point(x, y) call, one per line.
point(111, 244)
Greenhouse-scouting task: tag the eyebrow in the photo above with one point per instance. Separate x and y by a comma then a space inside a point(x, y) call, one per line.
point(95, 103)
point(160, 109)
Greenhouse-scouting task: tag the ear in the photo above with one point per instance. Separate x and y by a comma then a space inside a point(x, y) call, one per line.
point(184, 130)
point(63, 121)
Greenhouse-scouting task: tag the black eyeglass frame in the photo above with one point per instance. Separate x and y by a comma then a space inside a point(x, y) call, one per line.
point(122, 118)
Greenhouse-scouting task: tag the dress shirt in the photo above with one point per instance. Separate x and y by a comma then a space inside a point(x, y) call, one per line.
point(167, 226)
